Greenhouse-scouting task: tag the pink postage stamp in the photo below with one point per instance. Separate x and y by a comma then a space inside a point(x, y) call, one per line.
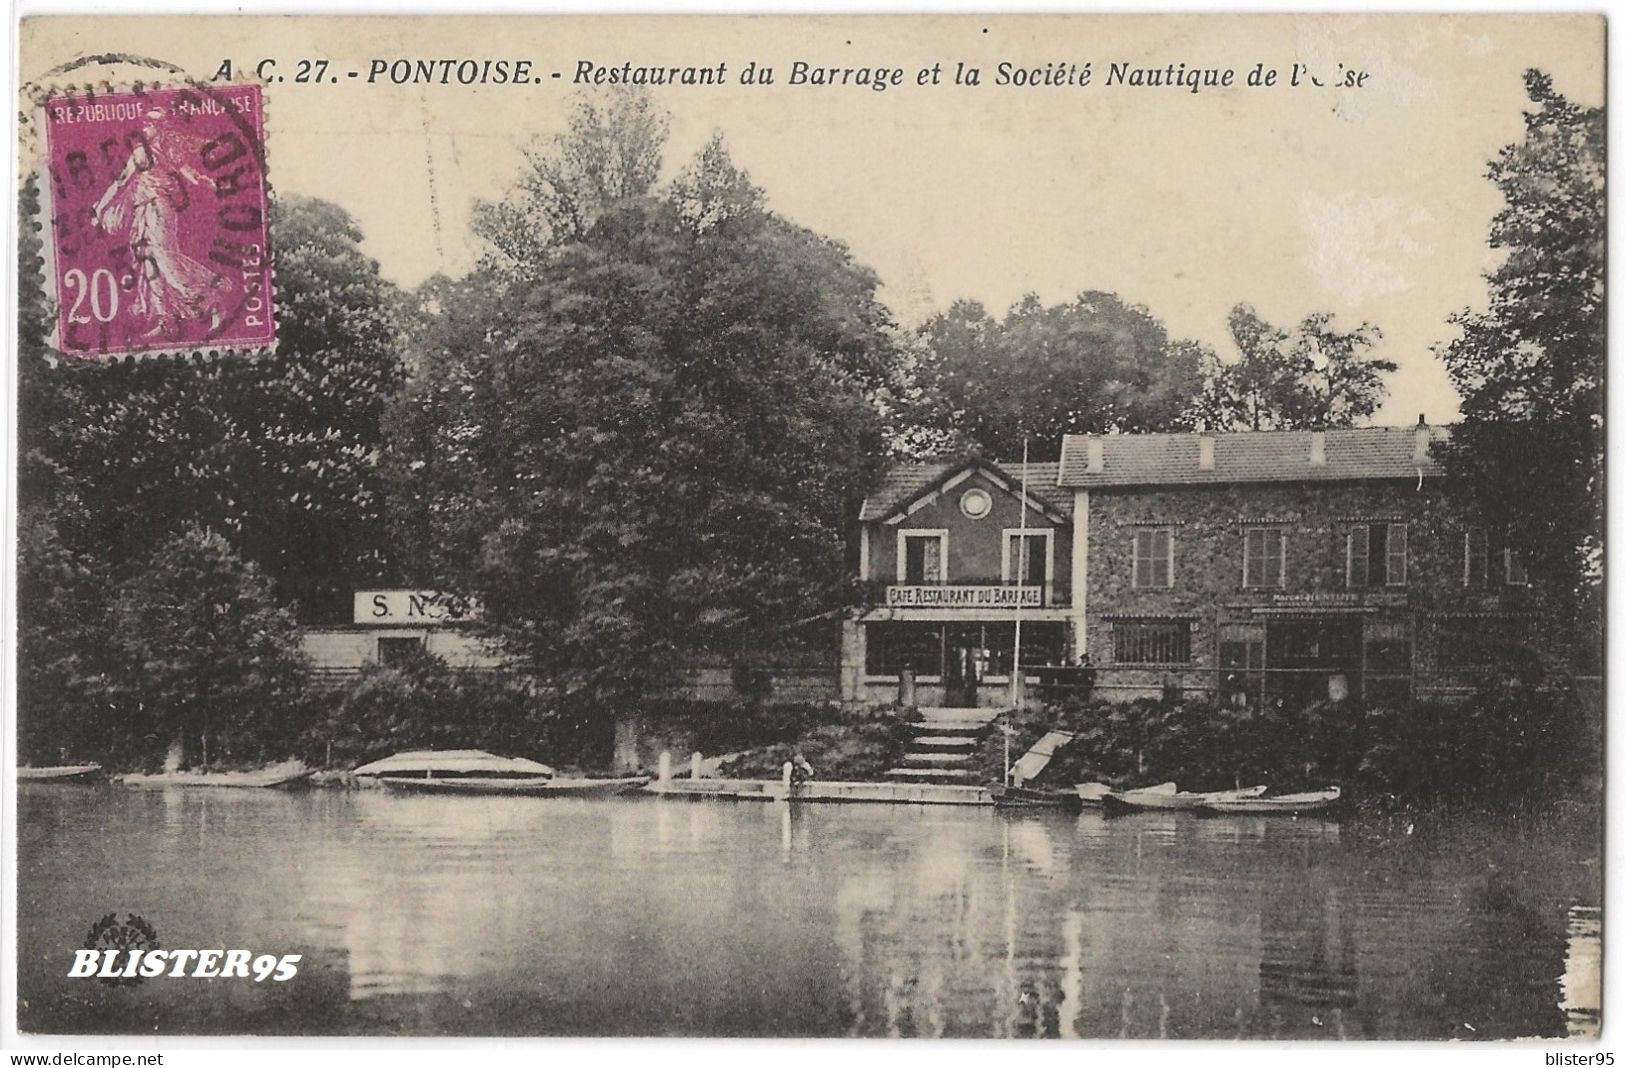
point(158, 221)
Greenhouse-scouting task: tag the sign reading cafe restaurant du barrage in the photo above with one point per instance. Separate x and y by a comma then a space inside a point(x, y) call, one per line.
point(965, 596)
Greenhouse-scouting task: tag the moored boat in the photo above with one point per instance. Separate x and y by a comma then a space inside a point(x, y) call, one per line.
point(1282, 804)
point(283, 774)
point(59, 773)
point(530, 786)
point(1092, 793)
point(1110, 797)
point(455, 764)
point(1031, 797)
point(1163, 799)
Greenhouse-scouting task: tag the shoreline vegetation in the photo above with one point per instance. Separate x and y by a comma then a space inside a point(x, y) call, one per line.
point(1519, 737)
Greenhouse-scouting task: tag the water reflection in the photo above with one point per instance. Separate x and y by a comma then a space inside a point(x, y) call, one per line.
point(518, 915)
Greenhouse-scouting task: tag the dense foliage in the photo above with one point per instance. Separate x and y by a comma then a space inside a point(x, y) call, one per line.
point(858, 750)
point(1093, 365)
point(1311, 376)
point(424, 703)
point(278, 453)
point(249, 483)
point(1528, 451)
point(652, 451)
point(196, 654)
point(1519, 735)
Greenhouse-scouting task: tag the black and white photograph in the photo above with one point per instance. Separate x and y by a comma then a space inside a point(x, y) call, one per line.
point(972, 526)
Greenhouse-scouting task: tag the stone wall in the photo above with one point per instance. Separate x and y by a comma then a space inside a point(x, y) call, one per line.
point(1209, 524)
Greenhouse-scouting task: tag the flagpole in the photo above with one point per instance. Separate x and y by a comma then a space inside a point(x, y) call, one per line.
point(1018, 691)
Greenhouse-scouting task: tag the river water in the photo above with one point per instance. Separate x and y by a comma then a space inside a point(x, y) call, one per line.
point(465, 915)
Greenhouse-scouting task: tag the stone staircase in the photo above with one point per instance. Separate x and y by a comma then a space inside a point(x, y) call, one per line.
point(944, 740)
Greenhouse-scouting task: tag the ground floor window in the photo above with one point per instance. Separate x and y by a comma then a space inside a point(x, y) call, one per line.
point(396, 652)
point(1301, 661)
point(1151, 641)
point(959, 649)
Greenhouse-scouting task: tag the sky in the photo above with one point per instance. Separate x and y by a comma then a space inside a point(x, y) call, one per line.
point(1369, 202)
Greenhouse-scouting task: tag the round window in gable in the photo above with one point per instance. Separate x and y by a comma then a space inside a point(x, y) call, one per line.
point(976, 503)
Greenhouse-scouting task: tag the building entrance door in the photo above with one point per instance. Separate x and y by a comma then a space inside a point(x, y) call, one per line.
point(963, 662)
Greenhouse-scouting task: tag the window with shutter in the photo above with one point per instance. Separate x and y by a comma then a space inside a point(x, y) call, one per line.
point(922, 559)
point(1153, 566)
point(1377, 555)
point(1475, 568)
point(1263, 560)
point(1398, 553)
point(1359, 557)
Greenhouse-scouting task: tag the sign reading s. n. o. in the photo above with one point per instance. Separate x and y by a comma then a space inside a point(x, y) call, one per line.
point(396, 608)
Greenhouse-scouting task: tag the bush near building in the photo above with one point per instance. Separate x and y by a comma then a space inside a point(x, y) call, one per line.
point(424, 703)
point(714, 727)
point(855, 750)
point(1518, 736)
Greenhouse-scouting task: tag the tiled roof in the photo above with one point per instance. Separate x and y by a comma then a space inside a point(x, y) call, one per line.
point(905, 482)
point(1247, 456)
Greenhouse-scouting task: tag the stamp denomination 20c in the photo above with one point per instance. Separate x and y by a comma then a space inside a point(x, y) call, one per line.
point(159, 221)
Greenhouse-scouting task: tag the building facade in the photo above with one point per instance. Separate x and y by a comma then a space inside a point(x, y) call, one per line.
point(1249, 567)
point(392, 626)
point(956, 559)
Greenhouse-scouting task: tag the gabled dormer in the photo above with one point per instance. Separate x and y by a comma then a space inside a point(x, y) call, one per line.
point(967, 525)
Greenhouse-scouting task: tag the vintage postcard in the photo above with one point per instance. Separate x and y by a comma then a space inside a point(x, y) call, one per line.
point(1082, 527)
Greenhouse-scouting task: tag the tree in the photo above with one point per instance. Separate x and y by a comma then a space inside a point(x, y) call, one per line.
point(1094, 365)
point(278, 453)
point(609, 153)
point(207, 655)
point(1527, 453)
point(653, 454)
point(61, 639)
point(1311, 376)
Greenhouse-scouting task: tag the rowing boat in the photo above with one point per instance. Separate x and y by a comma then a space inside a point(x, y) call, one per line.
point(1284, 804)
point(1092, 793)
point(283, 774)
point(1164, 800)
point(59, 773)
point(535, 786)
point(1101, 794)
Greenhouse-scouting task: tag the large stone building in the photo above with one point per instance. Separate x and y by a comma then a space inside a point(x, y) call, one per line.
point(1252, 566)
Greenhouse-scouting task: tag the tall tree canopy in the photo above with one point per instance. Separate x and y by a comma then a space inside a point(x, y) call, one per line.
point(610, 152)
point(1528, 451)
point(1313, 375)
point(647, 443)
point(279, 453)
point(276, 456)
point(1092, 365)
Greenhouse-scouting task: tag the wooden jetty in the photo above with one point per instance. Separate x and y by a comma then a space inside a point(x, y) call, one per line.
point(893, 793)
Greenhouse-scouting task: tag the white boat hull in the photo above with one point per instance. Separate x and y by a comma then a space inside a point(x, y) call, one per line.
point(1164, 801)
point(1285, 804)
